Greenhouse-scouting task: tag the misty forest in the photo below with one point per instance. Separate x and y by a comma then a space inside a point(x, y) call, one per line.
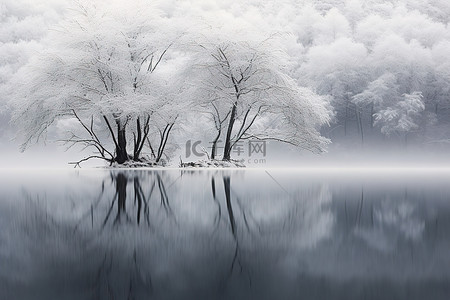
point(133, 83)
point(125, 127)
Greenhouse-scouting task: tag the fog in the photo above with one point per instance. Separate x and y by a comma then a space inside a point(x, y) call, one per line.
point(382, 67)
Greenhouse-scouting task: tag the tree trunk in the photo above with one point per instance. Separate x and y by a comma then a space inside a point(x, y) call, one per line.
point(163, 140)
point(121, 149)
point(137, 141)
point(214, 146)
point(227, 148)
point(361, 128)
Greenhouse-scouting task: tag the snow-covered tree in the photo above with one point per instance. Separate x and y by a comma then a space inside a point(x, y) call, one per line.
point(379, 93)
point(338, 69)
point(250, 95)
point(22, 26)
point(362, 55)
point(109, 71)
point(401, 118)
point(387, 49)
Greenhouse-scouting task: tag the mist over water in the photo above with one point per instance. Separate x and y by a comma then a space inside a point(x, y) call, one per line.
point(224, 234)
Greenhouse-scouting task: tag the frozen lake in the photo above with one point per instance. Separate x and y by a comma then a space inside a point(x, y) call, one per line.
point(224, 234)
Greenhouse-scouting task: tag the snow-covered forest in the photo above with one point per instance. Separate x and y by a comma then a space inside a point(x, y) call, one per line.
point(136, 80)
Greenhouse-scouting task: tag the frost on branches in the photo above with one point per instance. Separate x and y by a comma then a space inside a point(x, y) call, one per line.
point(103, 73)
point(244, 86)
point(121, 79)
point(401, 118)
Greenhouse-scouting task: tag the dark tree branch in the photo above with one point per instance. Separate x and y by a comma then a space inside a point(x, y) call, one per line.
point(94, 138)
point(160, 58)
point(77, 163)
point(111, 131)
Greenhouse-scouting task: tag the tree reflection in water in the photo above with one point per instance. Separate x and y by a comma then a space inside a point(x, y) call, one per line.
point(223, 235)
point(141, 198)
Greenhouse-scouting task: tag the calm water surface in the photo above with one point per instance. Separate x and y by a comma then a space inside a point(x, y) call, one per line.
point(224, 234)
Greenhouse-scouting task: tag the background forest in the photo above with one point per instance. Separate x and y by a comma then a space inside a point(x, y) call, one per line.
point(369, 73)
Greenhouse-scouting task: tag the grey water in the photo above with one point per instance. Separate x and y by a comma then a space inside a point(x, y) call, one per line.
point(224, 234)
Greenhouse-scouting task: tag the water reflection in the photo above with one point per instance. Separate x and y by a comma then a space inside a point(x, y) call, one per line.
point(223, 235)
point(140, 196)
